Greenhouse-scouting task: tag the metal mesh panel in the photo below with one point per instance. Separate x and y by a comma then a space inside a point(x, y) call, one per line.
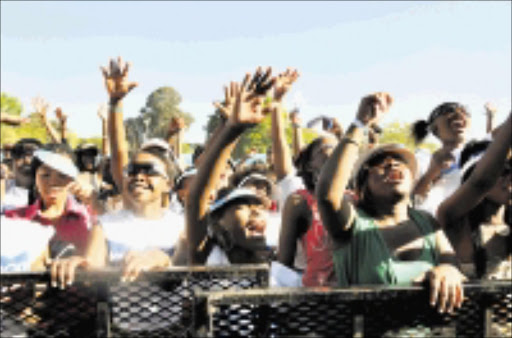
point(372, 312)
point(163, 305)
point(32, 309)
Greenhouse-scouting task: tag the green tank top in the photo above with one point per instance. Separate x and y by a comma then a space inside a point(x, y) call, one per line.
point(366, 259)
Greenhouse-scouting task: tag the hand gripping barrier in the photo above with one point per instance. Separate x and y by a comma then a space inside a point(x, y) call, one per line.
point(358, 312)
point(158, 304)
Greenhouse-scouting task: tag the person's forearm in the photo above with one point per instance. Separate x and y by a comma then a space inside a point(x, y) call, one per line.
point(491, 164)
point(214, 161)
point(424, 184)
point(54, 136)
point(118, 144)
point(175, 142)
point(105, 146)
point(213, 137)
point(338, 169)
point(490, 123)
point(10, 119)
point(298, 140)
point(283, 164)
point(63, 131)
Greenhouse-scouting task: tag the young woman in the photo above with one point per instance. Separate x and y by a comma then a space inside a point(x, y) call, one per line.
point(301, 220)
point(449, 123)
point(236, 222)
point(474, 216)
point(53, 173)
point(142, 236)
point(381, 240)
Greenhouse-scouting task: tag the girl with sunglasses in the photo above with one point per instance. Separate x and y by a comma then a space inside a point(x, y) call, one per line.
point(475, 215)
point(381, 240)
point(440, 174)
point(143, 234)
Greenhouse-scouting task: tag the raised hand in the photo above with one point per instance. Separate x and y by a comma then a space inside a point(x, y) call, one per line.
point(249, 95)
point(225, 108)
point(372, 107)
point(61, 116)
point(102, 112)
point(284, 82)
point(116, 80)
point(176, 124)
point(295, 118)
point(40, 106)
point(490, 108)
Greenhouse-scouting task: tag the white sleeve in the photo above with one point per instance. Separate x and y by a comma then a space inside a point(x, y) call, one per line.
point(287, 186)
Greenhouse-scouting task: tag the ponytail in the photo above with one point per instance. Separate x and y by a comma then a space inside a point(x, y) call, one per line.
point(419, 131)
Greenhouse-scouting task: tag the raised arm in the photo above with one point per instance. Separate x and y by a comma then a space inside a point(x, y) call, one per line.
point(12, 119)
point(63, 119)
point(336, 212)
point(297, 137)
point(175, 137)
point(246, 113)
point(116, 82)
point(490, 113)
point(103, 115)
point(283, 163)
point(41, 108)
point(482, 179)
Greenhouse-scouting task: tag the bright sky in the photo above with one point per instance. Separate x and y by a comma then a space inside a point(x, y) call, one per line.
point(423, 53)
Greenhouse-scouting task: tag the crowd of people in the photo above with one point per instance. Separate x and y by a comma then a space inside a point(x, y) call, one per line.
point(342, 210)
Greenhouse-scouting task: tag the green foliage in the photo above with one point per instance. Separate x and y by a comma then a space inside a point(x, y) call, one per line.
point(398, 132)
point(259, 137)
point(10, 105)
point(162, 105)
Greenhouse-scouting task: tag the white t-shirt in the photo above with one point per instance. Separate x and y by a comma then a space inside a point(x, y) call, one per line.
point(126, 232)
point(280, 275)
point(443, 187)
point(14, 197)
point(285, 187)
point(22, 242)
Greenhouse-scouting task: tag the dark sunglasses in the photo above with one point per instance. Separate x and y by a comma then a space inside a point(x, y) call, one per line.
point(23, 152)
point(379, 159)
point(148, 169)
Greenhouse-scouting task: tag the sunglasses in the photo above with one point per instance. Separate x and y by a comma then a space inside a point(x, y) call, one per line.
point(23, 152)
point(148, 169)
point(379, 159)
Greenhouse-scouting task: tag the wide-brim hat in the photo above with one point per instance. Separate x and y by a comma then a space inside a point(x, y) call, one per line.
point(362, 163)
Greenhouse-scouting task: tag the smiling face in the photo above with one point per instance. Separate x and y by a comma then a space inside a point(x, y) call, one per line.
point(52, 185)
point(145, 180)
point(247, 224)
point(452, 127)
point(389, 177)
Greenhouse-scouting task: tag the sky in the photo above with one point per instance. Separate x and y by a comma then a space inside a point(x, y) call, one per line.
point(423, 53)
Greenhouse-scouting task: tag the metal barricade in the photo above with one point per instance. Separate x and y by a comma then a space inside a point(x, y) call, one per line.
point(372, 311)
point(158, 304)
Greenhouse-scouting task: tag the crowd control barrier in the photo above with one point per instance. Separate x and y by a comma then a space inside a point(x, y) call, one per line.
point(357, 312)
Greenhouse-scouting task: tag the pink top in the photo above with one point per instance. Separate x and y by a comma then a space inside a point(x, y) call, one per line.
point(73, 226)
point(319, 265)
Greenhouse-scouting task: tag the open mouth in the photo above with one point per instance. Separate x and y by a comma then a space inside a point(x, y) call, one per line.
point(458, 124)
point(254, 230)
point(394, 176)
point(137, 187)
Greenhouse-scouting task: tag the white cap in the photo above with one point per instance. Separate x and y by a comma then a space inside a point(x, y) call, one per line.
point(62, 164)
point(156, 142)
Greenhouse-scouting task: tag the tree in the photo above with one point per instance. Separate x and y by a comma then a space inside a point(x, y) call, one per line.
point(259, 137)
point(398, 132)
point(161, 105)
